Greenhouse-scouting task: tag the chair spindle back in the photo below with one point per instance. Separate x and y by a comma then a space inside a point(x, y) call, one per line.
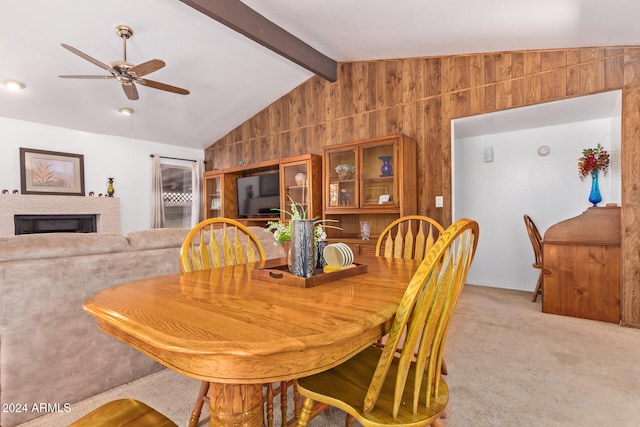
point(409, 237)
point(215, 242)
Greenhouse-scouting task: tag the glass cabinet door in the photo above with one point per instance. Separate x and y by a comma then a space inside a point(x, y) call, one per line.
point(379, 185)
point(295, 178)
point(342, 172)
point(213, 202)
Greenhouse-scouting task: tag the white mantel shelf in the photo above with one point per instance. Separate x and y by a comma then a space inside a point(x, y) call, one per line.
point(106, 209)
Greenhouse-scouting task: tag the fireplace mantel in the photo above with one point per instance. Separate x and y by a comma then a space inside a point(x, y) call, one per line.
point(107, 209)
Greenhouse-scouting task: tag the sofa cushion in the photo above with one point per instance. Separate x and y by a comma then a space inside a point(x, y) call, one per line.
point(268, 242)
point(56, 245)
point(157, 238)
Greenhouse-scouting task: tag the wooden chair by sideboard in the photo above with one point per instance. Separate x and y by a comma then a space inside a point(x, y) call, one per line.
point(408, 237)
point(376, 387)
point(536, 242)
point(222, 241)
point(124, 413)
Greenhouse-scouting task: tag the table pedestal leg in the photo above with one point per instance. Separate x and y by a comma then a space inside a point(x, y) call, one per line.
point(235, 405)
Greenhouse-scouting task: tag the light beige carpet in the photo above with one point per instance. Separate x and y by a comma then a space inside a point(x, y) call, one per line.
point(509, 365)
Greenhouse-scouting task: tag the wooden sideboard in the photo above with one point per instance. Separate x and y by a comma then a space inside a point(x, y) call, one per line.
point(581, 266)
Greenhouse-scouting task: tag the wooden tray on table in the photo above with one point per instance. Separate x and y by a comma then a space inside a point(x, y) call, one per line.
point(280, 274)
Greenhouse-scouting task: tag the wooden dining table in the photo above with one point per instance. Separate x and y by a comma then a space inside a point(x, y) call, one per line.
point(237, 332)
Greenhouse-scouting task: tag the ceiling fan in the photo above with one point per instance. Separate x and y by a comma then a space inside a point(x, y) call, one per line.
point(125, 72)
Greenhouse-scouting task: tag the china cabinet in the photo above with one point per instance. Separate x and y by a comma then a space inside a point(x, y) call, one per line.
point(370, 180)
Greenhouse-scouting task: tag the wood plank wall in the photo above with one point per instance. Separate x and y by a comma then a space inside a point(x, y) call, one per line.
point(420, 96)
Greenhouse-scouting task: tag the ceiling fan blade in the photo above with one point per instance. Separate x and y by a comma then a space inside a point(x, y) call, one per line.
point(146, 68)
point(130, 90)
point(163, 86)
point(87, 57)
point(87, 77)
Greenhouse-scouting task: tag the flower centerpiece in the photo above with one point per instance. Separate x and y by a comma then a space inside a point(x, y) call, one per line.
point(593, 161)
point(345, 171)
point(282, 231)
point(306, 236)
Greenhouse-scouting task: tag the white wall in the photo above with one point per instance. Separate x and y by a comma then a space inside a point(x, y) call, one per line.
point(519, 181)
point(125, 159)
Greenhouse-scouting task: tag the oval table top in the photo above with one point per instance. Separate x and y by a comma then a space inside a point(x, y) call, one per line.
point(224, 326)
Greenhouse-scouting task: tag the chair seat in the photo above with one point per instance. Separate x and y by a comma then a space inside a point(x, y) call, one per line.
point(124, 413)
point(336, 388)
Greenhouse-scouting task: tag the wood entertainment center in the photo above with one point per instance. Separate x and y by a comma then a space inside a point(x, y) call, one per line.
point(221, 189)
point(380, 188)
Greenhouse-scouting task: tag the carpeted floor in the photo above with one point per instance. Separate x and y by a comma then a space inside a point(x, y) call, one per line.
point(509, 365)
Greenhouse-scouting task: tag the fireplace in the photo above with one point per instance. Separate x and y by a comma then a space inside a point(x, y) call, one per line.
point(30, 224)
point(105, 210)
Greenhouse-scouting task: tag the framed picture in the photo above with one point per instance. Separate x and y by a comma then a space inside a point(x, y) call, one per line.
point(51, 172)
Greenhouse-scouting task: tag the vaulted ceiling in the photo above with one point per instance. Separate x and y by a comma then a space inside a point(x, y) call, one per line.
point(230, 78)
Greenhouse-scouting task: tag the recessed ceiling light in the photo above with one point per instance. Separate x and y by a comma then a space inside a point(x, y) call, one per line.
point(13, 85)
point(126, 111)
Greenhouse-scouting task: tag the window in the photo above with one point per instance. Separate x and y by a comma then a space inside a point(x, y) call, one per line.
point(177, 194)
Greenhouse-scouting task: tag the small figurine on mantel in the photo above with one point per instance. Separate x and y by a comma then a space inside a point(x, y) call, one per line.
point(110, 189)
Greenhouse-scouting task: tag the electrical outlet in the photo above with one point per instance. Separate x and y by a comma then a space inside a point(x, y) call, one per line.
point(439, 201)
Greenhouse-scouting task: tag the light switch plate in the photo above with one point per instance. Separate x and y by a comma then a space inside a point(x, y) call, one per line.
point(439, 201)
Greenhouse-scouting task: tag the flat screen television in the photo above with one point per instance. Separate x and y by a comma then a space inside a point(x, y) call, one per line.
point(258, 195)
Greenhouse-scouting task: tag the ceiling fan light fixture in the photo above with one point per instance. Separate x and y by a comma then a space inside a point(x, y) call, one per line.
point(13, 85)
point(127, 111)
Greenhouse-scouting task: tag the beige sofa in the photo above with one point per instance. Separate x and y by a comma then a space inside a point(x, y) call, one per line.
point(50, 350)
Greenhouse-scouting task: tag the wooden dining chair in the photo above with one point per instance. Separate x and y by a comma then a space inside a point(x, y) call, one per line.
point(213, 243)
point(376, 386)
point(216, 242)
point(408, 237)
point(124, 413)
point(536, 242)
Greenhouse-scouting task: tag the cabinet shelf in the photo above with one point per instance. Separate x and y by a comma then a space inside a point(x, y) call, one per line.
point(380, 179)
point(342, 181)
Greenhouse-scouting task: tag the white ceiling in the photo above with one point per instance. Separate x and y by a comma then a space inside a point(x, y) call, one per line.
point(230, 77)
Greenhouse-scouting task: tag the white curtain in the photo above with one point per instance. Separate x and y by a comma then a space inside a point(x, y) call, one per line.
point(157, 207)
point(196, 206)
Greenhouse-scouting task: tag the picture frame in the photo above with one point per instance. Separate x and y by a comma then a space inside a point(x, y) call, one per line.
point(384, 198)
point(51, 172)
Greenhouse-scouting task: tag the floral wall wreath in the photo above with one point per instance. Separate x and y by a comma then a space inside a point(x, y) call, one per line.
point(593, 160)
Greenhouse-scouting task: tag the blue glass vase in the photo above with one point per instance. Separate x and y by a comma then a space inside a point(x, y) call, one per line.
point(386, 169)
point(594, 196)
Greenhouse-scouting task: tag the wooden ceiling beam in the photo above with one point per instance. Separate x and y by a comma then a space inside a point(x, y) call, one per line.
point(241, 18)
